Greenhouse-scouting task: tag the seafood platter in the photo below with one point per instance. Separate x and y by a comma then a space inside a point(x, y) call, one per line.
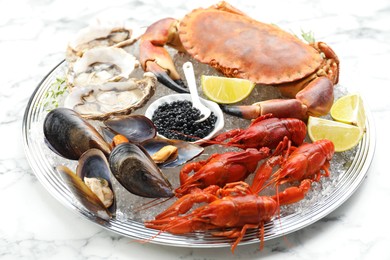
point(112, 133)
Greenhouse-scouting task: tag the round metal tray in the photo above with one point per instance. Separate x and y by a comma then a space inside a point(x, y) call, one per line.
point(338, 190)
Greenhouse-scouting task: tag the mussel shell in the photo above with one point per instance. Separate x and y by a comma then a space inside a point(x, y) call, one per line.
point(186, 150)
point(83, 194)
point(136, 128)
point(69, 135)
point(94, 164)
point(107, 134)
point(137, 172)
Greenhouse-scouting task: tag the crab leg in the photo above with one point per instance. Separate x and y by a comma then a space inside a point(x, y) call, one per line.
point(280, 108)
point(317, 96)
point(333, 64)
point(156, 59)
point(315, 99)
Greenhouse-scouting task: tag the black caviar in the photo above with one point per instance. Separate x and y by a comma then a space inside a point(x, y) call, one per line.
point(176, 120)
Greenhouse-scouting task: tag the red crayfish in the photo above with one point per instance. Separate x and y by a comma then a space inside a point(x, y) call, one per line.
point(265, 131)
point(237, 206)
point(220, 169)
point(307, 161)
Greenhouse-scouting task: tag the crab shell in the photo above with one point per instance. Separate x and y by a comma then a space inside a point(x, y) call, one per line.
point(239, 46)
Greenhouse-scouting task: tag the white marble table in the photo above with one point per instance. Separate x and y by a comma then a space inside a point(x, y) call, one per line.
point(33, 37)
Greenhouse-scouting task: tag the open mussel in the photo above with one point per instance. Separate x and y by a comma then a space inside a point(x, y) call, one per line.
point(93, 164)
point(69, 135)
point(94, 170)
point(136, 128)
point(137, 172)
point(166, 157)
point(91, 183)
point(82, 193)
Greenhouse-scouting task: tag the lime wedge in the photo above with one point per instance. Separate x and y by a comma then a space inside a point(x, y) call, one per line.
point(349, 109)
point(344, 136)
point(226, 90)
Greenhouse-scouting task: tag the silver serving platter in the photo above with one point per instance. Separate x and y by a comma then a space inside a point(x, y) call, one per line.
point(354, 165)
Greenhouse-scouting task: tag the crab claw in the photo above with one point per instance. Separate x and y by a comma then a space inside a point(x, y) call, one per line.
point(163, 77)
point(281, 108)
point(156, 59)
point(317, 96)
point(315, 99)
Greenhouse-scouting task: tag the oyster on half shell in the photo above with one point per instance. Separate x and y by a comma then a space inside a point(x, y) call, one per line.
point(101, 85)
point(102, 65)
point(99, 34)
point(111, 98)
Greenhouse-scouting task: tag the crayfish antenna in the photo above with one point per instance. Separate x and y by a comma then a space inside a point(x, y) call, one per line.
point(147, 240)
point(226, 144)
point(142, 207)
point(280, 222)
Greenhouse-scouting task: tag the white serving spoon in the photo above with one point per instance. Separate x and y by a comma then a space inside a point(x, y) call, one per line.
point(196, 103)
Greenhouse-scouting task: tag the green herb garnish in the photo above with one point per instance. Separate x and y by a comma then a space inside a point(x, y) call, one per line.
point(308, 36)
point(57, 89)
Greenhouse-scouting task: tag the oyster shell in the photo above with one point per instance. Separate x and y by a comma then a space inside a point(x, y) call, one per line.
point(100, 76)
point(112, 98)
point(101, 34)
point(102, 65)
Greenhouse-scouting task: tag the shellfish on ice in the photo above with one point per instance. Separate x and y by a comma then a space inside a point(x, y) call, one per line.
point(138, 173)
point(101, 33)
point(103, 86)
point(69, 135)
point(98, 198)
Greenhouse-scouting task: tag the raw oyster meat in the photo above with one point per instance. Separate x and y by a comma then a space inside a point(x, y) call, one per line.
point(100, 75)
point(101, 34)
point(102, 65)
point(111, 98)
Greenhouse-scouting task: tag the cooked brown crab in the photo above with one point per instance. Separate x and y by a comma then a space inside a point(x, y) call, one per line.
point(239, 46)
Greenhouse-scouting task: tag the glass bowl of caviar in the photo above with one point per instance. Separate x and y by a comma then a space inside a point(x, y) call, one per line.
point(175, 118)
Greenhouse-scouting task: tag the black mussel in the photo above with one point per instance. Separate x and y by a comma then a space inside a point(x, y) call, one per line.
point(185, 151)
point(94, 170)
point(137, 172)
point(136, 128)
point(107, 134)
point(83, 193)
point(69, 135)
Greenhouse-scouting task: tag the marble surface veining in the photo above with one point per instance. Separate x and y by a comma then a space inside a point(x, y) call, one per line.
point(33, 38)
